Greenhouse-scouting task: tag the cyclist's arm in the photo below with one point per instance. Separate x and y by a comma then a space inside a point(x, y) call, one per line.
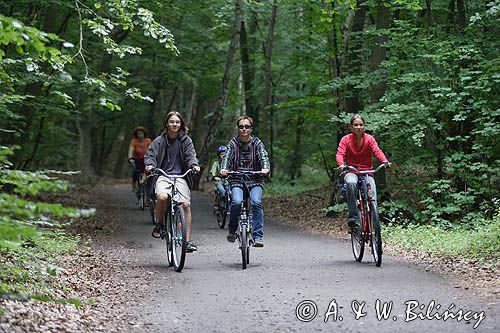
point(266, 165)
point(341, 150)
point(131, 150)
point(190, 155)
point(225, 165)
point(151, 154)
point(379, 154)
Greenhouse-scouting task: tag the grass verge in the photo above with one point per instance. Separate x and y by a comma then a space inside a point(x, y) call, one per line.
point(481, 242)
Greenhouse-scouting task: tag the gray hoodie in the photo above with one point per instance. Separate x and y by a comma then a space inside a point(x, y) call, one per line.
point(156, 153)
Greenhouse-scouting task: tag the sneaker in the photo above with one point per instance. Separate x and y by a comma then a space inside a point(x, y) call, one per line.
point(231, 237)
point(258, 243)
point(352, 223)
point(190, 247)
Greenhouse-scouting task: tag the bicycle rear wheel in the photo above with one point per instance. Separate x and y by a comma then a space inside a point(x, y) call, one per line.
point(244, 248)
point(143, 192)
point(178, 224)
point(376, 236)
point(220, 215)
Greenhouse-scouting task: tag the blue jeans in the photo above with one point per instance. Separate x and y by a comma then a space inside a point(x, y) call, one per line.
point(221, 190)
point(257, 212)
point(351, 179)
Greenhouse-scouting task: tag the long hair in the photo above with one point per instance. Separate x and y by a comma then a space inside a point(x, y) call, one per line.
point(182, 130)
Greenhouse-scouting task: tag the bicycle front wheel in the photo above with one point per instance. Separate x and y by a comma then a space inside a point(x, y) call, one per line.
point(152, 211)
point(178, 224)
point(357, 243)
point(168, 239)
point(357, 239)
point(244, 248)
point(376, 236)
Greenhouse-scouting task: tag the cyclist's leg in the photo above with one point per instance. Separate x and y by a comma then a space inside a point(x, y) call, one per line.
point(221, 190)
point(257, 213)
point(352, 184)
point(135, 175)
point(373, 187)
point(219, 194)
point(161, 203)
point(236, 200)
point(163, 190)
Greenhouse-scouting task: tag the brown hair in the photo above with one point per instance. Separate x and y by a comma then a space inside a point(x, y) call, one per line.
point(140, 129)
point(243, 118)
point(356, 116)
point(183, 129)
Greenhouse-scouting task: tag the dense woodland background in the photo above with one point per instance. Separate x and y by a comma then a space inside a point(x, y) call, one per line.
point(77, 76)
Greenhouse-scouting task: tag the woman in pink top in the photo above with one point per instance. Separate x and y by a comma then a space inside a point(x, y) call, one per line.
point(357, 150)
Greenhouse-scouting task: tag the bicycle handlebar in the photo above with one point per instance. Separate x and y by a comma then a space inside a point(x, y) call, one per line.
point(364, 172)
point(171, 176)
point(245, 173)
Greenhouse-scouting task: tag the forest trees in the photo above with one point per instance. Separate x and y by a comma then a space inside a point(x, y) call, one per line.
point(77, 76)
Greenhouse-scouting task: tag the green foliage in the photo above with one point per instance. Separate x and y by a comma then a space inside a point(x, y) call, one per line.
point(27, 251)
point(440, 108)
point(311, 179)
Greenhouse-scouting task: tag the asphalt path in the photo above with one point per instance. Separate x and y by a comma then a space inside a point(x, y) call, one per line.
point(299, 282)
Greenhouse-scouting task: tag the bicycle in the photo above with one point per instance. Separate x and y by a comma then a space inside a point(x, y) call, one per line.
point(141, 187)
point(369, 232)
point(224, 208)
point(175, 220)
point(244, 234)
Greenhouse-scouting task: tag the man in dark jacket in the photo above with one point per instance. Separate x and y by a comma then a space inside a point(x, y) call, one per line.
point(173, 152)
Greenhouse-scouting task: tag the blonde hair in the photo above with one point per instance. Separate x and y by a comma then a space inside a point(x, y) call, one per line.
point(243, 118)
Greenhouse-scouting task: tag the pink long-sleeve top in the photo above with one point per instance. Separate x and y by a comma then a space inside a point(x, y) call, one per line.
point(359, 157)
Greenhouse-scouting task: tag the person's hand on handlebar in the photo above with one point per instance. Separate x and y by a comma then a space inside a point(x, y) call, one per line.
point(149, 168)
point(196, 169)
point(388, 164)
point(223, 172)
point(265, 172)
point(342, 167)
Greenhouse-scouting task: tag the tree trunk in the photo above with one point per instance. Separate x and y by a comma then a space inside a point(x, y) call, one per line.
point(204, 156)
point(191, 106)
point(383, 22)
point(247, 69)
point(429, 15)
point(352, 102)
point(268, 48)
point(295, 168)
point(451, 16)
point(461, 14)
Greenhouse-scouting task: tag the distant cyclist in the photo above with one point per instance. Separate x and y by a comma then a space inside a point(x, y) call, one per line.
point(357, 149)
point(136, 152)
point(173, 152)
point(246, 152)
point(220, 184)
